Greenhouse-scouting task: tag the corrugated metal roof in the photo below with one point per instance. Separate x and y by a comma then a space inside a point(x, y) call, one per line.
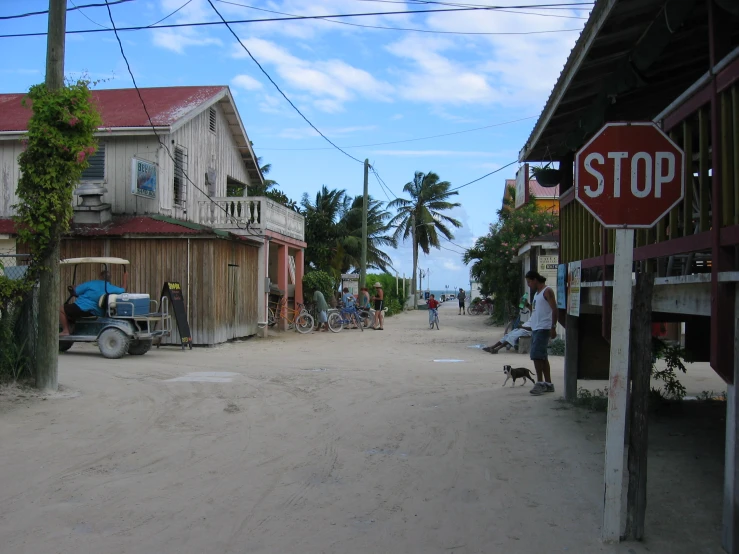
point(536, 189)
point(121, 107)
point(7, 227)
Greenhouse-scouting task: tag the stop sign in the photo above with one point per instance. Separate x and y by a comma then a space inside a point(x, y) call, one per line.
point(629, 175)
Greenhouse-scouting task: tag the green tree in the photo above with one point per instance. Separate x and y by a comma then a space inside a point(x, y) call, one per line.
point(492, 255)
point(421, 216)
point(378, 235)
point(322, 216)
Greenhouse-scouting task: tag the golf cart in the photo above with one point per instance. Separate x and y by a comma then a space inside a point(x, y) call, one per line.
point(129, 323)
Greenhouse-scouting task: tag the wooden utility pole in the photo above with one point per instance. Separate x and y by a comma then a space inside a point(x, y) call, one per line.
point(641, 372)
point(47, 353)
point(415, 261)
point(363, 266)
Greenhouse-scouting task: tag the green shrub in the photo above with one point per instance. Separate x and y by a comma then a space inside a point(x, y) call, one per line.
point(14, 361)
point(674, 356)
point(557, 347)
point(318, 280)
point(394, 301)
point(596, 400)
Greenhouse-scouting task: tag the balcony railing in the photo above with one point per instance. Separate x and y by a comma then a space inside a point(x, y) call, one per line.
point(258, 212)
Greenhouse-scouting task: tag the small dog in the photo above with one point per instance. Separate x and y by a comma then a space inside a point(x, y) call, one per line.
point(517, 373)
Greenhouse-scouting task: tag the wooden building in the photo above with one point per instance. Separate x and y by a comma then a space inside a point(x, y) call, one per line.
point(675, 63)
point(160, 192)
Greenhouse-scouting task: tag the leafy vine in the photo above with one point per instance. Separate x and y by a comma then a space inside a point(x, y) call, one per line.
point(57, 149)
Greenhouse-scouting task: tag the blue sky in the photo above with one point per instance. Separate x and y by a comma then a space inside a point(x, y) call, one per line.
point(359, 86)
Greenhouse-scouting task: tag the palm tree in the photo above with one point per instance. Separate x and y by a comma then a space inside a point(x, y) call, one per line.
point(378, 235)
point(322, 216)
point(420, 216)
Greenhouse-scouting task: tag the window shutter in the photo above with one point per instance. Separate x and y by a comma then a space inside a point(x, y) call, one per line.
point(96, 169)
point(212, 114)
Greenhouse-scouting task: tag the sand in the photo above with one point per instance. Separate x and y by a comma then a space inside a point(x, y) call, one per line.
point(370, 442)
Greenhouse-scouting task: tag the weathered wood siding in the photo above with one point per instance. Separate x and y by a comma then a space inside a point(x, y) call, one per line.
point(205, 149)
point(220, 293)
point(9, 173)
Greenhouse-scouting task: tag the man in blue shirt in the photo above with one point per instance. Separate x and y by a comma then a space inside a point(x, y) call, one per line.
point(88, 300)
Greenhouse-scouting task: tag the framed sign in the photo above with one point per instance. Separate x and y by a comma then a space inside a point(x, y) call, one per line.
point(143, 178)
point(561, 286)
point(573, 288)
point(547, 267)
point(521, 185)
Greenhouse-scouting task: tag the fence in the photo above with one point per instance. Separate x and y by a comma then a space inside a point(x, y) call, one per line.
point(18, 323)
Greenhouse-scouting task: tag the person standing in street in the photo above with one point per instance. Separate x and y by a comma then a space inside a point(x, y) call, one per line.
point(543, 327)
point(379, 299)
point(461, 297)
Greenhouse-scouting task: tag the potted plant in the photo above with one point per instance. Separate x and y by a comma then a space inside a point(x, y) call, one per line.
point(546, 176)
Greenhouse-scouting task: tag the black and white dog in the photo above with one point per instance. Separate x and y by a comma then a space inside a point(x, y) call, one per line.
point(517, 373)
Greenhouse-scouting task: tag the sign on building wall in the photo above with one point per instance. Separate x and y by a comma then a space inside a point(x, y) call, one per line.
point(547, 267)
point(521, 186)
point(143, 178)
point(561, 286)
point(573, 286)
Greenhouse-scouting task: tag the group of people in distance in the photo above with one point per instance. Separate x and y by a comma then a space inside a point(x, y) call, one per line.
point(364, 301)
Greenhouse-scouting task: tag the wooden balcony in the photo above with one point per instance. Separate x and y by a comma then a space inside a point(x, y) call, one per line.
point(256, 213)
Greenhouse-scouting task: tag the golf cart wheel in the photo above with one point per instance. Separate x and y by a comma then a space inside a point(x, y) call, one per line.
point(113, 343)
point(304, 323)
point(139, 347)
point(334, 322)
point(65, 345)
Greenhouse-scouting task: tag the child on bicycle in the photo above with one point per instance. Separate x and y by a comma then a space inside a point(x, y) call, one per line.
point(433, 306)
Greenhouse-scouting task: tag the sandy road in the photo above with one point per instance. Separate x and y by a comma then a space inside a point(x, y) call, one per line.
point(323, 443)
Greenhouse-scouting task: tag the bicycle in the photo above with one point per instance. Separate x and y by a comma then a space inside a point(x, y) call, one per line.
point(345, 316)
point(434, 318)
point(297, 318)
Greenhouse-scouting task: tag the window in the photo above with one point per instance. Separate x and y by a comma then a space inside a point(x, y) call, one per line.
point(234, 187)
point(179, 188)
point(96, 169)
point(212, 114)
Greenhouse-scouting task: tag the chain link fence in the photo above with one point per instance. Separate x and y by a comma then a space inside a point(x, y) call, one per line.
point(18, 324)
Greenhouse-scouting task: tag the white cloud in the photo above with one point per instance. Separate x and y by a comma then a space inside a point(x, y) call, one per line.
point(246, 82)
point(177, 40)
point(328, 83)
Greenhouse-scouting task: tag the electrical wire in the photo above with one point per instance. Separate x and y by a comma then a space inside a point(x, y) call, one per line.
point(308, 121)
point(170, 15)
point(272, 19)
point(29, 14)
point(486, 175)
point(83, 14)
point(423, 30)
point(153, 128)
point(407, 140)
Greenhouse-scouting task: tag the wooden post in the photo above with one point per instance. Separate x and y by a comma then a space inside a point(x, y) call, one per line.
point(619, 371)
point(365, 207)
point(572, 334)
point(730, 534)
point(641, 369)
point(47, 356)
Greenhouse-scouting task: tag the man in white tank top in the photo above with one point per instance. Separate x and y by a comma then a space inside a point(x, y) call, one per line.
point(543, 327)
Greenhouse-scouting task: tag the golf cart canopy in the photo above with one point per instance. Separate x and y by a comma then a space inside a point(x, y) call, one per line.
point(109, 261)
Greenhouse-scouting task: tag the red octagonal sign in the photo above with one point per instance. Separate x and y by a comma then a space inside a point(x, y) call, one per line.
point(629, 175)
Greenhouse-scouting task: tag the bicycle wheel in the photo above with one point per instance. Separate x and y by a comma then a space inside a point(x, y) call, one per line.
point(358, 321)
point(304, 323)
point(271, 320)
point(436, 321)
point(335, 323)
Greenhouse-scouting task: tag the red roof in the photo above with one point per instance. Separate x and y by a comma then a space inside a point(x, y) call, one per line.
point(536, 189)
point(141, 225)
point(121, 107)
point(7, 227)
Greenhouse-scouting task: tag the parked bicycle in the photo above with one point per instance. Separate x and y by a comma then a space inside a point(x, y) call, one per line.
point(344, 316)
point(297, 318)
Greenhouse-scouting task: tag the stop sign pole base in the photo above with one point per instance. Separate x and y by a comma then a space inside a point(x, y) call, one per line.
point(618, 386)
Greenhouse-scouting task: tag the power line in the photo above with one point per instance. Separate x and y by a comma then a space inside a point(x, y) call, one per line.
point(407, 140)
point(486, 175)
point(279, 89)
point(148, 117)
point(275, 19)
point(29, 14)
point(170, 15)
point(83, 14)
point(426, 30)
